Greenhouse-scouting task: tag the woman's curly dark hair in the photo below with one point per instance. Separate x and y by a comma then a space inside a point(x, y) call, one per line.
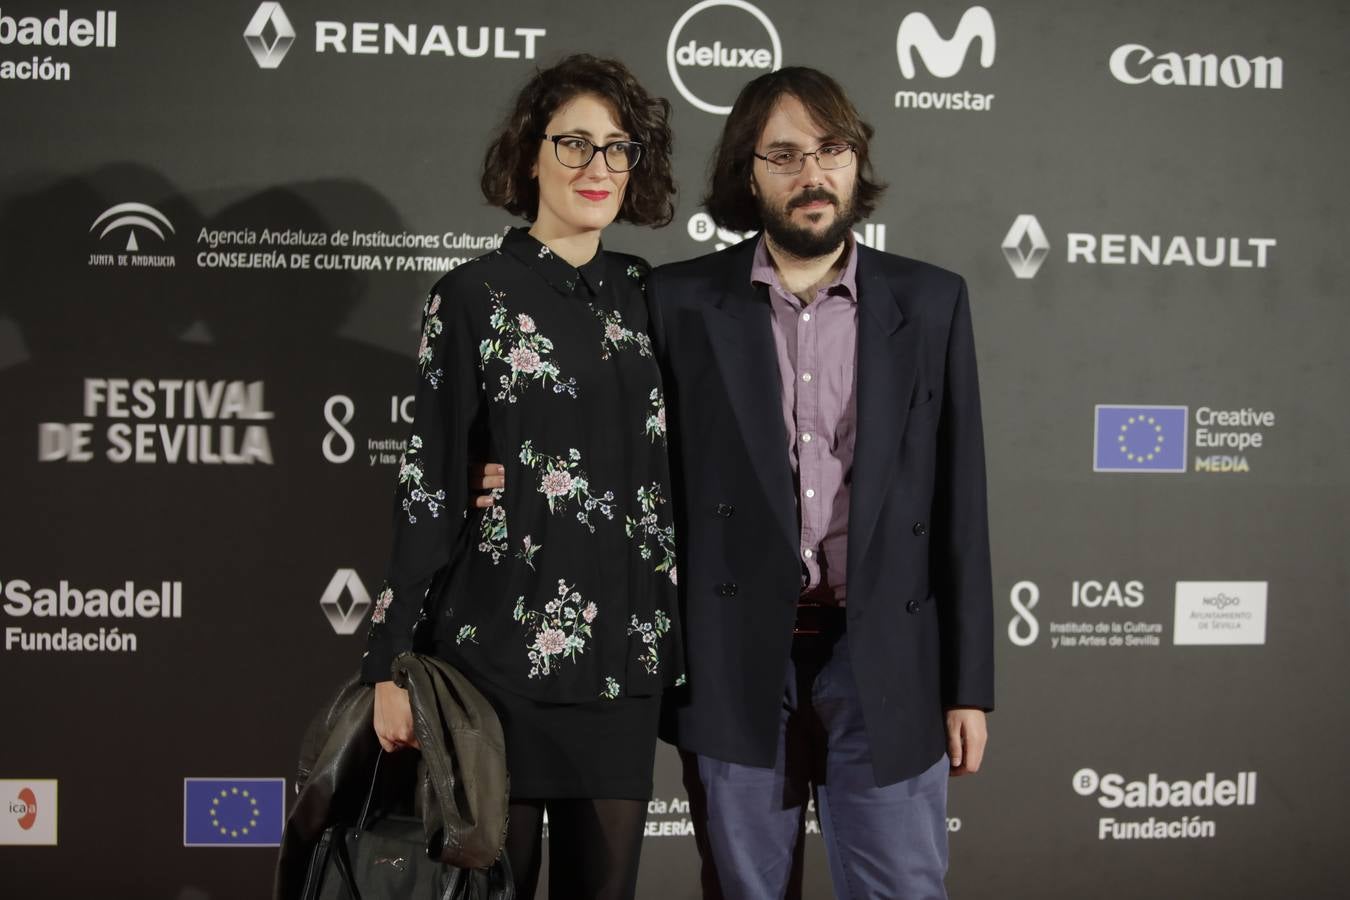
point(506, 182)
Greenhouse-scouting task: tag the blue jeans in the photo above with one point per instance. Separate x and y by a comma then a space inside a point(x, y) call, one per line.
point(880, 841)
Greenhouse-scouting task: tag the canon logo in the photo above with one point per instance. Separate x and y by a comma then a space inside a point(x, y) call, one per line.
point(1137, 64)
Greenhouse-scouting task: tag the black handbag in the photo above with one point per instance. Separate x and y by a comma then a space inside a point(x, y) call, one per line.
point(384, 857)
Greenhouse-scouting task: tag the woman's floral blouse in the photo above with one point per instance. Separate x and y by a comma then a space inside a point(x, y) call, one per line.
point(564, 591)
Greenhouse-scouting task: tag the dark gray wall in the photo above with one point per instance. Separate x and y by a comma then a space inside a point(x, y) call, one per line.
point(1207, 606)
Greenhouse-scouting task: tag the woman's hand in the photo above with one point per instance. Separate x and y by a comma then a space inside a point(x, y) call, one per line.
point(487, 477)
point(393, 717)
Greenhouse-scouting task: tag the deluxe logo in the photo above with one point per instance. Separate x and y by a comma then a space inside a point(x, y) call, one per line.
point(944, 58)
point(1220, 613)
point(1129, 438)
point(269, 35)
point(1114, 249)
point(1137, 64)
point(684, 58)
point(29, 816)
point(345, 618)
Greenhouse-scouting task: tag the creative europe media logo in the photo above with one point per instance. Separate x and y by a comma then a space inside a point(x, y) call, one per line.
point(1142, 439)
point(233, 812)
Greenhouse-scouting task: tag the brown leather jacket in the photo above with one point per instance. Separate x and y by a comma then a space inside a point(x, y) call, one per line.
point(464, 788)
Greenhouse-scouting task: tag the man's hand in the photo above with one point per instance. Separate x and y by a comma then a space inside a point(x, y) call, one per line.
point(966, 737)
point(485, 479)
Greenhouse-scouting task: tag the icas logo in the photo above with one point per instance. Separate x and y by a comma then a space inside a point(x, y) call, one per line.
point(697, 55)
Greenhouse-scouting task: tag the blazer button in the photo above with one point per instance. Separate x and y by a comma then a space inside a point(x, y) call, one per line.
point(725, 510)
point(920, 529)
point(727, 589)
point(912, 607)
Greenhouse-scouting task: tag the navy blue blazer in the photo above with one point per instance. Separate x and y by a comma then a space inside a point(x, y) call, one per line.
point(919, 613)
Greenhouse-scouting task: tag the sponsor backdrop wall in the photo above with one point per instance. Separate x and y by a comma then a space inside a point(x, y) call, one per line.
point(217, 225)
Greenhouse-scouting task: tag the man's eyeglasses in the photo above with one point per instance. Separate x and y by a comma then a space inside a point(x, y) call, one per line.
point(576, 152)
point(790, 162)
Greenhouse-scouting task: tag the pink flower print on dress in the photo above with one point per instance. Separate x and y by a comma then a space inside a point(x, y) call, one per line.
point(525, 323)
point(589, 612)
point(382, 602)
point(435, 304)
point(556, 483)
point(551, 641)
point(615, 332)
point(523, 359)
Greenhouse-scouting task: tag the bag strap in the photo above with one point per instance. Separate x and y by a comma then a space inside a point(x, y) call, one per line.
point(370, 793)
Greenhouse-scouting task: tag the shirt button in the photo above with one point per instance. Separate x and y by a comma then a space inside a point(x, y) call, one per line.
point(810, 492)
point(807, 553)
point(806, 317)
point(806, 438)
point(806, 376)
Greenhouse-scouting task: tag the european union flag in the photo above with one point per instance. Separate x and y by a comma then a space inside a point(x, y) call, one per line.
point(1140, 439)
point(233, 812)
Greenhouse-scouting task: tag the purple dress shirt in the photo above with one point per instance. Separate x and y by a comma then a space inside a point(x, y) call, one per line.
point(817, 346)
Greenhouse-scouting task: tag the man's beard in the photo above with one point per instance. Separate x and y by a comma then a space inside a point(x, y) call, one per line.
point(804, 243)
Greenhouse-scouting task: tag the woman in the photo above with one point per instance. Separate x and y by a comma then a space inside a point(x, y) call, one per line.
point(559, 601)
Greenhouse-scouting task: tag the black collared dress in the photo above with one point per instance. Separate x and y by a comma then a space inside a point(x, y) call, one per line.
point(559, 602)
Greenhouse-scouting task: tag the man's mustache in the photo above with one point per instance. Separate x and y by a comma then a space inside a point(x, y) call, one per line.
point(811, 195)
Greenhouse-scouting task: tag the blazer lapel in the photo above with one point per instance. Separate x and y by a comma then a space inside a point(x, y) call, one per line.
point(740, 331)
point(887, 366)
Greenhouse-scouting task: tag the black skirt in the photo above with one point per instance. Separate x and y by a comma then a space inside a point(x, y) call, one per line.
point(601, 749)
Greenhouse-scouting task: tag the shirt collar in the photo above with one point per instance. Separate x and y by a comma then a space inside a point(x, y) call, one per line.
point(584, 282)
point(844, 284)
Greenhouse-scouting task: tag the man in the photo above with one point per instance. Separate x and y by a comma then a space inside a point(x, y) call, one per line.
point(828, 464)
point(828, 467)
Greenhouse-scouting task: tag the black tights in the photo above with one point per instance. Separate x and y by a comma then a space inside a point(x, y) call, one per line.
point(593, 847)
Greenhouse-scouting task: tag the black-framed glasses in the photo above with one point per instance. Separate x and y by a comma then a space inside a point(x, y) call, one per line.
point(789, 161)
point(575, 152)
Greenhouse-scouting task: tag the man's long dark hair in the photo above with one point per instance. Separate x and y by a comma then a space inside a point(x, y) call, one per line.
point(729, 200)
